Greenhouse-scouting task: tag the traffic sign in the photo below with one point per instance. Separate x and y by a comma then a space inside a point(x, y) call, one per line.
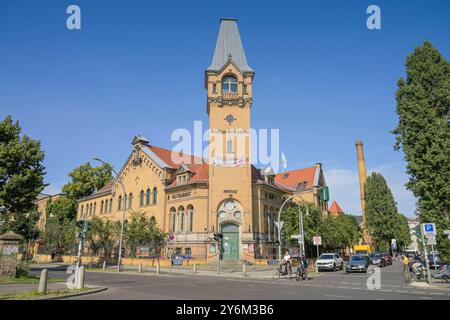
point(429, 228)
point(296, 236)
point(431, 240)
point(317, 240)
point(279, 226)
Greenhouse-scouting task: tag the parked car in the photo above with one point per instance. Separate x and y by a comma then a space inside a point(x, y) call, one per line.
point(387, 258)
point(377, 259)
point(330, 261)
point(357, 263)
point(435, 261)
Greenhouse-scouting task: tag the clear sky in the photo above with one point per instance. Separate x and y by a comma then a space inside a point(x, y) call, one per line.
point(137, 67)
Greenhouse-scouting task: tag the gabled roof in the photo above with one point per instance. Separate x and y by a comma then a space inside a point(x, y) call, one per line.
point(166, 158)
point(199, 174)
point(335, 208)
point(292, 179)
point(229, 47)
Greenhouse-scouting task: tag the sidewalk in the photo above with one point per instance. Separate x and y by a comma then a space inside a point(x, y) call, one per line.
point(435, 284)
point(18, 288)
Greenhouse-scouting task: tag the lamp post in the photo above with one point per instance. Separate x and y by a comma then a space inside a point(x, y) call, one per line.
point(123, 213)
point(298, 194)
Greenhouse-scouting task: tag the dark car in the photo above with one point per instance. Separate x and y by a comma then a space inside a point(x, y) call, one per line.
point(435, 261)
point(387, 258)
point(376, 259)
point(357, 263)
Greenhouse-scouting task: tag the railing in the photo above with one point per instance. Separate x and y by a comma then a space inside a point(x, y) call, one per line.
point(230, 95)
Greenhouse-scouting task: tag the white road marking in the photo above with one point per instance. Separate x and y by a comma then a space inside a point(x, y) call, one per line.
point(336, 296)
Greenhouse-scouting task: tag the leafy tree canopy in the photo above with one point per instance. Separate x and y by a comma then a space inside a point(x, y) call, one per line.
point(423, 133)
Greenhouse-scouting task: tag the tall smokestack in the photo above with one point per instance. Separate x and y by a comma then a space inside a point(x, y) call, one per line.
point(362, 181)
point(362, 176)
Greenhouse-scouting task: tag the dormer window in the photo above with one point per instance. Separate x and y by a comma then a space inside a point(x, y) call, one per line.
point(229, 84)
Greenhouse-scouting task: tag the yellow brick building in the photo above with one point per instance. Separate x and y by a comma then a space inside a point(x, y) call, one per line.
point(195, 198)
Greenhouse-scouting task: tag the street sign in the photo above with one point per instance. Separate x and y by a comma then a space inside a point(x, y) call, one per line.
point(431, 240)
point(279, 226)
point(447, 232)
point(429, 228)
point(296, 236)
point(317, 240)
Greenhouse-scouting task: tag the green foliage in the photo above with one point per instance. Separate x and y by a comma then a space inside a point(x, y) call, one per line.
point(21, 179)
point(403, 233)
point(101, 235)
point(62, 209)
point(336, 231)
point(59, 235)
point(85, 179)
point(423, 133)
point(382, 218)
point(22, 269)
point(141, 230)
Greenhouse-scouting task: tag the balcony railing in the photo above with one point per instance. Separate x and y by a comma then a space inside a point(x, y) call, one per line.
point(230, 95)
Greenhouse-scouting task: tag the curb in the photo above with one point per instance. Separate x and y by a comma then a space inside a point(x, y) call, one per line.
point(425, 285)
point(69, 295)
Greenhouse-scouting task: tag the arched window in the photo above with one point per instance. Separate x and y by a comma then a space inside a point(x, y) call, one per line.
point(81, 213)
point(110, 205)
point(181, 218)
point(90, 209)
point(119, 203)
point(155, 193)
point(141, 201)
point(148, 197)
point(190, 211)
point(130, 201)
point(172, 217)
point(125, 201)
point(267, 216)
point(229, 84)
point(95, 207)
point(101, 207)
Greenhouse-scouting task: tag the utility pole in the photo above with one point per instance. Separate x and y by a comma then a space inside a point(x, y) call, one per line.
point(426, 256)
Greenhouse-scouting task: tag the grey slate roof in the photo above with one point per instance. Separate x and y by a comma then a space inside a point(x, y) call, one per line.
point(229, 46)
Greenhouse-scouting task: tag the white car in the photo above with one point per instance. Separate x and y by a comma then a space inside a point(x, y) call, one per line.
point(330, 261)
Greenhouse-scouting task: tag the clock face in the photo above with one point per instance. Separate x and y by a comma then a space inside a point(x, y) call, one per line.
point(221, 214)
point(237, 215)
point(230, 205)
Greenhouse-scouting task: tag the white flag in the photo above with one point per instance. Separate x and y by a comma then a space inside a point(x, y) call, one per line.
point(284, 160)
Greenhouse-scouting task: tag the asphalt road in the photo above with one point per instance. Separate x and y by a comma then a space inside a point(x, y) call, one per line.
point(327, 285)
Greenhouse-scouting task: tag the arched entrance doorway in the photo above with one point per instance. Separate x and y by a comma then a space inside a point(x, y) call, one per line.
point(230, 240)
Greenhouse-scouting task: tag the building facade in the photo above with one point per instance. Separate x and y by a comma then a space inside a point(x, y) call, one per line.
point(193, 198)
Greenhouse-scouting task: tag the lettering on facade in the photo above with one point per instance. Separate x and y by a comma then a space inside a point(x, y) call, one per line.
point(181, 195)
point(230, 191)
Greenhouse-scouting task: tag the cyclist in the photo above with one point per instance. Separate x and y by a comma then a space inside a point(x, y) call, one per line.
point(286, 261)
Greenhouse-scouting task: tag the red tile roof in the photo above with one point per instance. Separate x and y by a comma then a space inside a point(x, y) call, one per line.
point(335, 208)
point(291, 179)
point(200, 173)
point(171, 157)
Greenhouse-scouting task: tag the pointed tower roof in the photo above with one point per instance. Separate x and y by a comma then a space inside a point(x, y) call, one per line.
point(335, 208)
point(229, 46)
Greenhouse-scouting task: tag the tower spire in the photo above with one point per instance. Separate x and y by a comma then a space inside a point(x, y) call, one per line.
point(229, 47)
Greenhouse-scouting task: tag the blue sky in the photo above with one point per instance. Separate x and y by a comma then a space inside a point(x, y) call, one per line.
point(137, 67)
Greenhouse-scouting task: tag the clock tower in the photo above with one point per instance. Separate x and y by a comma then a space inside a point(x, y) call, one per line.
point(228, 81)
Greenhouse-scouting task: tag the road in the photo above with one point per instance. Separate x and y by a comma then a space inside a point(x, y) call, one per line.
point(327, 285)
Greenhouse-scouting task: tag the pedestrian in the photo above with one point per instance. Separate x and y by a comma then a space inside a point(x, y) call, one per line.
point(53, 254)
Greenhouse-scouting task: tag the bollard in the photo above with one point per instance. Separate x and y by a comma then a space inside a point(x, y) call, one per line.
point(244, 269)
point(104, 265)
point(195, 268)
point(43, 282)
point(140, 267)
point(80, 278)
point(158, 267)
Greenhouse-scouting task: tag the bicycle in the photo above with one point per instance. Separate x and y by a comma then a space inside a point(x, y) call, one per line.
point(281, 271)
point(300, 272)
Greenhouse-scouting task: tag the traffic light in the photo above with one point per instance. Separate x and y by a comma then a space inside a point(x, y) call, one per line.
point(80, 224)
point(218, 237)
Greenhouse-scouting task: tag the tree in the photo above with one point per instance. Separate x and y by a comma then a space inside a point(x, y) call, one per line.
point(59, 235)
point(381, 211)
point(141, 230)
point(403, 233)
point(62, 209)
point(21, 180)
point(423, 133)
point(86, 179)
point(341, 230)
point(101, 235)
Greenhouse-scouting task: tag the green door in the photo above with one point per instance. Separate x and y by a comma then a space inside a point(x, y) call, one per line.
point(230, 241)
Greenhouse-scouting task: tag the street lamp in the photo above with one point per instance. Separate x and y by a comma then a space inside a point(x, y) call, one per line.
point(298, 194)
point(123, 213)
